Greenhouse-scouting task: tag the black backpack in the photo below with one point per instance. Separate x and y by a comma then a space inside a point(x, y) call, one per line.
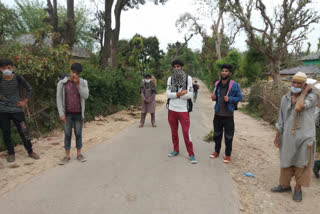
point(189, 101)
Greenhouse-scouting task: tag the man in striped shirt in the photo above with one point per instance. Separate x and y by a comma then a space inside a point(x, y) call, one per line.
point(11, 108)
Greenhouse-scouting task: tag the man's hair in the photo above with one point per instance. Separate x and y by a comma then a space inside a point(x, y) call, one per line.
point(177, 62)
point(147, 75)
point(76, 67)
point(227, 66)
point(5, 62)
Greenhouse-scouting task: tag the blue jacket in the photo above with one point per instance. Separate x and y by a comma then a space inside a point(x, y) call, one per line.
point(234, 95)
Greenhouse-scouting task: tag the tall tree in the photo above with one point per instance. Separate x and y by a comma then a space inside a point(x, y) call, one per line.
point(288, 25)
point(111, 37)
point(8, 23)
point(70, 24)
point(53, 20)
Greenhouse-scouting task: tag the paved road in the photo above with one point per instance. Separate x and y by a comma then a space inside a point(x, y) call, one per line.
point(132, 174)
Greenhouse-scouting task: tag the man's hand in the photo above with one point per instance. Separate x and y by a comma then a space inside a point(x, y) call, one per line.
point(213, 97)
point(63, 119)
point(306, 89)
point(76, 80)
point(147, 101)
point(226, 98)
point(22, 103)
point(277, 140)
point(183, 92)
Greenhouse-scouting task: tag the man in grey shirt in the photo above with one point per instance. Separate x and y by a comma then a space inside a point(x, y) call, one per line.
point(11, 108)
point(296, 136)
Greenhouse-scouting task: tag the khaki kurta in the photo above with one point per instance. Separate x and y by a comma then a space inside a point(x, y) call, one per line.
point(294, 148)
point(148, 94)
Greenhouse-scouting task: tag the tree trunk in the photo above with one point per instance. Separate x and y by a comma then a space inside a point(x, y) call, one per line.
point(105, 56)
point(275, 71)
point(70, 24)
point(115, 33)
point(53, 20)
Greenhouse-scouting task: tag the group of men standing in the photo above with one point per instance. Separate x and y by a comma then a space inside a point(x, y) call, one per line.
point(296, 128)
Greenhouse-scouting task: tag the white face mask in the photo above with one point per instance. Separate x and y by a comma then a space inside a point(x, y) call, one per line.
point(147, 80)
point(7, 72)
point(296, 90)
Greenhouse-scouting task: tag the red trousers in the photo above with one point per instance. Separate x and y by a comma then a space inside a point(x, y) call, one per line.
point(183, 117)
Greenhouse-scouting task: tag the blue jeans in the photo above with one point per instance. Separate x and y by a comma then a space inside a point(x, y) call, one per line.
point(76, 121)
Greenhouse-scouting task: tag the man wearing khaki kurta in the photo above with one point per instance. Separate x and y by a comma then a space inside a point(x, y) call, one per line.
point(296, 136)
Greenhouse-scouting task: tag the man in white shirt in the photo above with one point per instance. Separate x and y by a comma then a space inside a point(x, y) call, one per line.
point(179, 90)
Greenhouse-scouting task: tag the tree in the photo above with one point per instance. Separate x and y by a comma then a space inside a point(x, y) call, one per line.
point(70, 24)
point(8, 23)
point(111, 37)
point(289, 25)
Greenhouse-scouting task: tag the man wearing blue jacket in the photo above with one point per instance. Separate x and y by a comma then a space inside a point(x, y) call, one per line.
point(227, 94)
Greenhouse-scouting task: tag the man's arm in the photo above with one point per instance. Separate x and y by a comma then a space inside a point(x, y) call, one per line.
point(28, 88)
point(170, 95)
point(83, 89)
point(302, 102)
point(187, 94)
point(238, 96)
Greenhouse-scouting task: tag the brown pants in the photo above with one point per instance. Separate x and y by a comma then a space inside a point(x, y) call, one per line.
point(143, 118)
point(302, 175)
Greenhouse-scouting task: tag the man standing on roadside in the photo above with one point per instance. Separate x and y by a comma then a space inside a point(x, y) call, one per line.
point(195, 90)
point(296, 136)
point(227, 94)
point(179, 90)
point(72, 92)
point(11, 108)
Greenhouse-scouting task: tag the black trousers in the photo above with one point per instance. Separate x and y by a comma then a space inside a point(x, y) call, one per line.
point(223, 124)
point(19, 121)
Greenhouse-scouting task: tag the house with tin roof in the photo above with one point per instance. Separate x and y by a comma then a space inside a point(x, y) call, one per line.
point(310, 66)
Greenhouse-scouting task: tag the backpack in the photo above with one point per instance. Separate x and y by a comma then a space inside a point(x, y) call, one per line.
point(229, 89)
point(189, 101)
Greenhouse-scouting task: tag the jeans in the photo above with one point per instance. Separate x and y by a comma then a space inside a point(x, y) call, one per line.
point(76, 121)
point(223, 124)
point(19, 121)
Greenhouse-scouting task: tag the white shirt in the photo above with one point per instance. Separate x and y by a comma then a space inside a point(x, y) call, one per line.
point(179, 104)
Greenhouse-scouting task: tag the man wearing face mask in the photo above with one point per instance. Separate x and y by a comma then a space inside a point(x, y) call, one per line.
point(227, 94)
point(296, 136)
point(148, 93)
point(72, 91)
point(179, 90)
point(11, 108)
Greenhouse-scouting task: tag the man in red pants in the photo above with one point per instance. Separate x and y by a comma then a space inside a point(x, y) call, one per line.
point(179, 90)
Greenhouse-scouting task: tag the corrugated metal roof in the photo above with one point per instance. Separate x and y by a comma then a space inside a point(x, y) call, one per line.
point(313, 56)
point(307, 69)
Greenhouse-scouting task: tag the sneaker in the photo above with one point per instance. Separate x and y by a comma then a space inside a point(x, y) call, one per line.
point(81, 158)
point(214, 155)
point(281, 189)
point(193, 160)
point(11, 158)
point(64, 161)
point(173, 153)
point(297, 196)
point(227, 159)
point(34, 156)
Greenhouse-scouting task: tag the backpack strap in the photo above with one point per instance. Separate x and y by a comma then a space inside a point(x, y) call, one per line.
point(215, 86)
point(230, 86)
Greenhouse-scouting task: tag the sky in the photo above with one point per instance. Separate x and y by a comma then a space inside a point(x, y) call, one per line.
point(159, 20)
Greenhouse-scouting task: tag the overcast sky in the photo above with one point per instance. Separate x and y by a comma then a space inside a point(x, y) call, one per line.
point(159, 20)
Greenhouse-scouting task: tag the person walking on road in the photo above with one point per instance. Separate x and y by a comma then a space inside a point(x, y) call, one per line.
point(11, 108)
point(195, 90)
point(148, 93)
point(227, 94)
point(72, 91)
point(179, 90)
point(296, 136)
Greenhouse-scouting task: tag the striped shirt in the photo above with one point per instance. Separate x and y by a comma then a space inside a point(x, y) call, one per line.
point(10, 94)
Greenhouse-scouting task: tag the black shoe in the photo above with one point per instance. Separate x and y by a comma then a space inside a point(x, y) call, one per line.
point(316, 168)
point(34, 155)
point(281, 189)
point(11, 158)
point(297, 196)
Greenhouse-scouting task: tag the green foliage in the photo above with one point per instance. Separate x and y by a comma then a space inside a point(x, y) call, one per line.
point(8, 23)
point(209, 137)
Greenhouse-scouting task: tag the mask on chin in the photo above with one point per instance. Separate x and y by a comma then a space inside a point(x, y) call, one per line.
point(7, 72)
point(296, 90)
point(147, 80)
